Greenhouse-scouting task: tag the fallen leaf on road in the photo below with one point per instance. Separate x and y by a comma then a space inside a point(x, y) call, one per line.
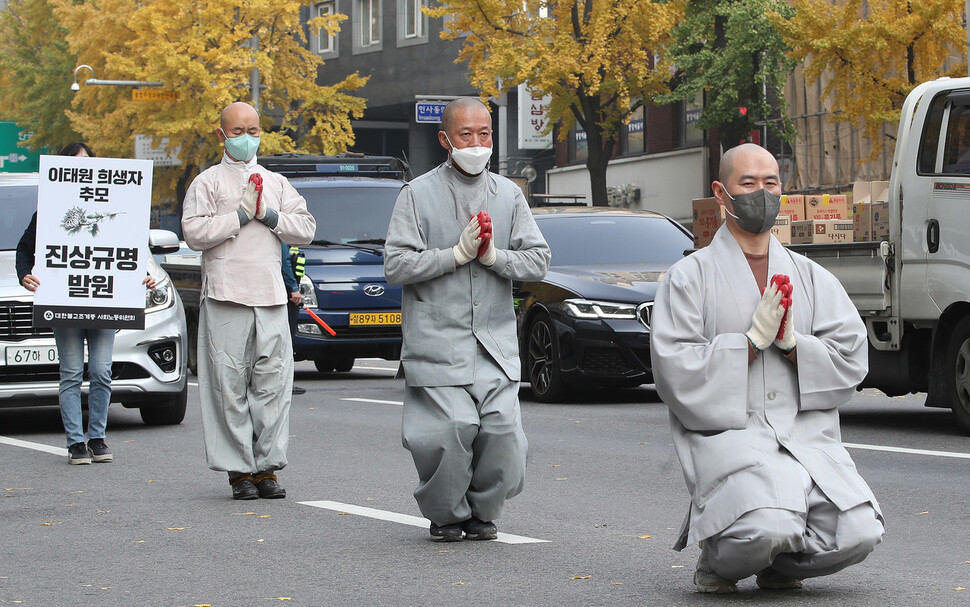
point(644, 537)
point(244, 513)
point(342, 513)
point(139, 541)
point(203, 605)
point(127, 441)
point(926, 512)
point(582, 577)
point(48, 524)
point(676, 566)
point(265, 515)
point(959, 588)
point(562, 478)
point(176, 528)
point(283, 598)
point(447, 551)
point(458, 583)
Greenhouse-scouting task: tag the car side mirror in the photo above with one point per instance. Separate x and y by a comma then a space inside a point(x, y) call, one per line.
point(162, 241)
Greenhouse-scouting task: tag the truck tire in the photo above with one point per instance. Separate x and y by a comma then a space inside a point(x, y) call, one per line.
point(343, 364)
point(324, 364)
point(166, 412)
point(957, 373)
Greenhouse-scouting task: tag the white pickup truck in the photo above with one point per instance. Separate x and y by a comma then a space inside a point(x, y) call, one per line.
point(913, 290)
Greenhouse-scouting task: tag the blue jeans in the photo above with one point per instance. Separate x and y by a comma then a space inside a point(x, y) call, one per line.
point(70, 350)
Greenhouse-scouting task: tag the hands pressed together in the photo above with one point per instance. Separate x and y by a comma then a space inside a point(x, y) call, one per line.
point(252, 200)
point(771, 323)
point(476, 241)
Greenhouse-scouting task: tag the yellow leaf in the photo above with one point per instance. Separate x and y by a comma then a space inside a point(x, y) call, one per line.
point(342, 513)
point(203, 605)
point(264, 515)
point(283, 598)
point(459, 583)
point(676, 566)
point(447, 551)
point(582, 577)
point(959, 588)
point(47, 524)
point(562, 478)
point(243, 513)
point(644, 537)
point(176, 528)
point(925, 512)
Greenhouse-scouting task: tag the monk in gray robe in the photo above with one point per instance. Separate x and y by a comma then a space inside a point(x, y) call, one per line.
point(754, 348)
point(458, 237)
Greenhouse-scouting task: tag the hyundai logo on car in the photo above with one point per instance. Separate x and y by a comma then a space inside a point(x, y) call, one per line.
point(374, 290)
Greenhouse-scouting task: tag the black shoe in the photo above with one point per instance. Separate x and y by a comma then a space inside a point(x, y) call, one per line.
point(299, 390)
point(268, 487)
point(99, 451)
point(243, 487)
point(446, 533)
point(476, 529)
point(78, 454)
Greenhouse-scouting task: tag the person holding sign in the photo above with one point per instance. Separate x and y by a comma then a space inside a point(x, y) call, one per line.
point(239, 214)
point(70, 351)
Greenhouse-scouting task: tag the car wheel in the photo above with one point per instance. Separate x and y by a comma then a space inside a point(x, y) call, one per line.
point(957, 373)
point(166, 412)
point(323, 364)
point(344, 365)
point(192, 346)
point(542, 360)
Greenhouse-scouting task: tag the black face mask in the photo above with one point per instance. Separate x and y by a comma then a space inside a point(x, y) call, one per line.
point(756, 211)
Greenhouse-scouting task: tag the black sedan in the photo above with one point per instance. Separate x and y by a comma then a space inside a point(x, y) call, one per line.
point(588, 321)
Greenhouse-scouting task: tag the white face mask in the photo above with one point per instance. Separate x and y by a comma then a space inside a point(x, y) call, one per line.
point(472, 160)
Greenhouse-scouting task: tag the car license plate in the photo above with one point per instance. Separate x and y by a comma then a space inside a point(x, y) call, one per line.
point(375, 318)
point(31, 355)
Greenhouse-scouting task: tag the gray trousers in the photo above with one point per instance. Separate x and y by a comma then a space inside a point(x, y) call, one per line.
point(467, 444)
point(245, 384)
point(795, 544)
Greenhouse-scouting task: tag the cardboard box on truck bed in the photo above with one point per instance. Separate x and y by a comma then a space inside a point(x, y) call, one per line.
point(708, 217)
point(871, 206)
point(826, 206)
point(822, 230)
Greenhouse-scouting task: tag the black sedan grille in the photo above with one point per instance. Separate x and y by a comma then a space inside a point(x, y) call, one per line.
point(604, 360)
point(16, 322)
point(644, 311)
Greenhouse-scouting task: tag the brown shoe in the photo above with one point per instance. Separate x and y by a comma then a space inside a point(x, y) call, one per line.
point(268, 487)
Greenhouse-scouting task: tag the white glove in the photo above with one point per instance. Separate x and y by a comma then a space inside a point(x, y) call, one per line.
point(767, 318)
point(787, 340)
point(250, 201)
point(488, 257)
point(467, 247)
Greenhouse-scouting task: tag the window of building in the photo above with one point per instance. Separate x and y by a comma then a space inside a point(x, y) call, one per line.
point(577, 149)
point(687, 113)
point(412, 24)
point(367, 26)
point(633, 139)
point(321, 42)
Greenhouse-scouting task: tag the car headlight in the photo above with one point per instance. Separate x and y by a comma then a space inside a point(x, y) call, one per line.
point(159, 298)
point(307, 292)
point(588, 309)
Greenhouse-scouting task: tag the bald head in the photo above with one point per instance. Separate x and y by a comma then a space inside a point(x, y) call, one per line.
point(743, 156)
point(460, 106)
point(236, 112)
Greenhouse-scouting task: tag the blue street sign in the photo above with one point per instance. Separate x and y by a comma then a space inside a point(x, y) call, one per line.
point(429, 111)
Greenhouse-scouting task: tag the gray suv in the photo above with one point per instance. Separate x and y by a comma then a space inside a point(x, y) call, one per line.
point(149, 365)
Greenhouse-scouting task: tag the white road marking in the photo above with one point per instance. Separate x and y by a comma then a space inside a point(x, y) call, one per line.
point(15, 442)
point(910, 451)
point(407, 519)
point(379, 402)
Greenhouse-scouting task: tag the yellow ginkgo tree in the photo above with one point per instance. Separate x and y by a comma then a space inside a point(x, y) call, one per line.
point(206, 53)
point(599, 60)
point(875, 51)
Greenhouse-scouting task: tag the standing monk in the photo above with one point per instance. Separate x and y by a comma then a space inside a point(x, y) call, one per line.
point(753, 370)
point(458, 237)
point(238, 214)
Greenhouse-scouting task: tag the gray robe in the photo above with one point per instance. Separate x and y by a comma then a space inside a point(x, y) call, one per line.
point(446, 310)
point(736, 425)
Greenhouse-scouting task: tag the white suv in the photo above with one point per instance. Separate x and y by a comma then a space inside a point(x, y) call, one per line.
point(149, 365)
